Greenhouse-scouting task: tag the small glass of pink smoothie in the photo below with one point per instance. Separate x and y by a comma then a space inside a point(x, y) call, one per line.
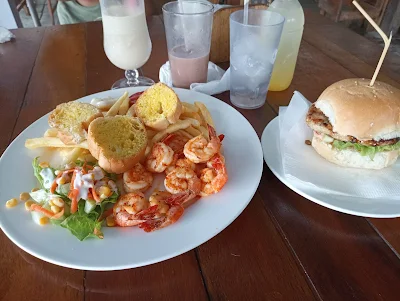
point(188, 27)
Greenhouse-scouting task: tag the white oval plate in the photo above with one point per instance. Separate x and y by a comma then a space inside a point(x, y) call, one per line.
point(351, 205)
point(124, 248)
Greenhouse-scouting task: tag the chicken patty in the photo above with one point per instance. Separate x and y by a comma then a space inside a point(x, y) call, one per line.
point(317, 120)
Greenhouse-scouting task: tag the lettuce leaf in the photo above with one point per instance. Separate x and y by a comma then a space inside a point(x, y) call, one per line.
point(365, 150)
point(83, 225)
point(110, 200)
point(36, 171)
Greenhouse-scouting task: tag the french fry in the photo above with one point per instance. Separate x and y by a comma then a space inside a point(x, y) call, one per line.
point(193, 115)
point(205, 113)
point(185, 134)
point(103, 104)
point(179, 125)
point(204, 131)
point(51, 133)
point(150, 133)
point(71, 154)
point(51, 142)
point(123, 109)
point(131, 111)
point(114, 109)
point(147, 151)
point(189, 108)
point(192, 131)
point(194, 122)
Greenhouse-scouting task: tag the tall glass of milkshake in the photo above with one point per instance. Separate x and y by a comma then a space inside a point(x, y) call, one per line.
point(188, 27)
point(127, 42)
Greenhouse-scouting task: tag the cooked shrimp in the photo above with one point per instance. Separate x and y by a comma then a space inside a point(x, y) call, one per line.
point(176, 142)
point(214, 176)
point(158, 198)
point(182, 179)
point(173, 214)
point(184, 162)
point(130, 209)
point(169, 210)
point(137, 179)
point(200, 150)
point(160, 157)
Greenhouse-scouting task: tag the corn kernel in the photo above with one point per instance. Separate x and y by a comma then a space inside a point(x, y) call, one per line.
point(51, 203)
point(129, 209)
point(28, 205)
point(43, 220)
point(105, 190)
point(12, 203)
point(24, 196)
point(59, 202)
point(44, 164)
point(62, 181)
point(55, 209)
point(34, 189)
point(110, 221)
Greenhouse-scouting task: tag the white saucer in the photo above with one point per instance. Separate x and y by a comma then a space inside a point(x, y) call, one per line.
point(359, 206)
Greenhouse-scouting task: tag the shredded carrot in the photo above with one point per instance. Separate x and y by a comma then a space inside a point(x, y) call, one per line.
point(71, 187)
point(53, 187)
point(96, 196)
point(73, 195)
point(58, 215)
point(105, 214)
point(98, 233)
point(38, 208)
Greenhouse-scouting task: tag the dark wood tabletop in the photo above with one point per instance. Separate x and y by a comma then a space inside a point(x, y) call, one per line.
point(282, 247)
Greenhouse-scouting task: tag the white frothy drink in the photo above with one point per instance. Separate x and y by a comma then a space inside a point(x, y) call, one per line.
point(126, 38)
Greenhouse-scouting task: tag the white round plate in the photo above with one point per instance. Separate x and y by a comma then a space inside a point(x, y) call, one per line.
point(124, 248)
point(351, 205)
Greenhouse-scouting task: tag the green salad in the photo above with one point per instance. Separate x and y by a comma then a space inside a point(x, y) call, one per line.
point(74, 198)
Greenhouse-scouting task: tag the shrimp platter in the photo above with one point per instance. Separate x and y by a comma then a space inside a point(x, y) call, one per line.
point(177, 172)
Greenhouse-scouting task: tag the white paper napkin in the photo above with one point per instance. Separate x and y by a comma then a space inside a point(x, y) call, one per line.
point(217, 79)
point(5, 35)
point(302, 165)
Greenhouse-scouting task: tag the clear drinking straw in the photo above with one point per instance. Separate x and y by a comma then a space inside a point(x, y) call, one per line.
point(181, 10)
point(246, 12)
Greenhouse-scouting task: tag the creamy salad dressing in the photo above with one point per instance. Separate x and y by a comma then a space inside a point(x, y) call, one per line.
point(47, 176)
point(64, 176)
point(113, 186)
point(83, 183)
point(98, 173)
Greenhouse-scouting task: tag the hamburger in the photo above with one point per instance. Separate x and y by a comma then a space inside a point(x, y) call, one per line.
point(356, 125)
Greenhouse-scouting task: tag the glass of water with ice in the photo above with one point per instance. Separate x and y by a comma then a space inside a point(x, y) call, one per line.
point(253, 49)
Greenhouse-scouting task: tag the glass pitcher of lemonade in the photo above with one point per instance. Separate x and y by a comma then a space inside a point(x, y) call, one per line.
point(288, 50)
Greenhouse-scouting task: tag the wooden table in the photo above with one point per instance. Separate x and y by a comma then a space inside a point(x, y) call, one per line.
point(282, 247)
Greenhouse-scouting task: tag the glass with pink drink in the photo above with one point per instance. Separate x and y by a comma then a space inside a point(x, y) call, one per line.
point(188, 27)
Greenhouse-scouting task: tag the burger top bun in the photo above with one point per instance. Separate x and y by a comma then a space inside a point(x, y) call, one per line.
point(356, 109)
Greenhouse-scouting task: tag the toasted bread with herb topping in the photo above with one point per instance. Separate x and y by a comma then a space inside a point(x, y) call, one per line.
point(158, 107)
point(72, 120)
point(118, 142)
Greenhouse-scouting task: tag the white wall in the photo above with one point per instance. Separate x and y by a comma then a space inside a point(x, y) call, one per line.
point(9, 17)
